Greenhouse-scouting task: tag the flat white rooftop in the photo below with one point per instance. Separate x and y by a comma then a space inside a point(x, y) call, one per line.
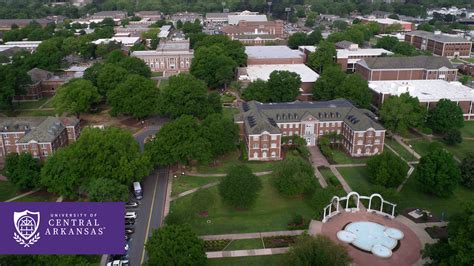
point(309, 48)
point(263, 72)
point(267, 52)
point(235, 19)
point(425, 90)
point(346, 53)
point(388, 21)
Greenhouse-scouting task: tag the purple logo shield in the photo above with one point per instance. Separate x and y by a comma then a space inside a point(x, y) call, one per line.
point(26, 225)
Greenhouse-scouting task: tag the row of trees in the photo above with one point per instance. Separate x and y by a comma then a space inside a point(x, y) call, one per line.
point(99, 166)
point(399, 48)
point(399, 113)
point(282, 86)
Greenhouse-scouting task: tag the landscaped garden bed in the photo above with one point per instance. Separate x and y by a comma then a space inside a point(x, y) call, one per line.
point(216, 245)
point(437, 232)
point(279, 241)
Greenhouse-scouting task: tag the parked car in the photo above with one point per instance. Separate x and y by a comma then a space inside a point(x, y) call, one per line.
point(137, 190)
point(127, 237)
point(129, 230)
point(130, 215)
point(129, 221)
point(131, 204)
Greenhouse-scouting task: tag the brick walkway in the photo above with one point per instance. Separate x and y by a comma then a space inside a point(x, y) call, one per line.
point(252, 235)
point(246, 253)
point(220, 175)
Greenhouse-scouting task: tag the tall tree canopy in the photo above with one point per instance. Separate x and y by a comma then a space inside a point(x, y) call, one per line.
point(467, 170)
point(187, 95)
point(323, 57)
point(386, 169)
point(13, 81)
point(294, 176)
point(284, 86)
point(240, 187)
point(399, 113)
point(213, 65)
point(437, 173)
point(175, 245)
point(220, 132)
point(233, 48)
point(136, 96)
point(445, 116)
point(319, 250)
point(76, 96)
point(109, 77)
point(98, 154)
point(22, 170)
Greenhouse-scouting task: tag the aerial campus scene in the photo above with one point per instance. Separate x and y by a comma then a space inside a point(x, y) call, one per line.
point(236, 132)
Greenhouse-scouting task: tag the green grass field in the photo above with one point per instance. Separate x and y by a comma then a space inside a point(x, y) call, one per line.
point(233, 159)
point(459, 150)
point(271, 260)
point(468, 130)
point(7, 190)
point(399, 149)
point(184, 183)
point(229, 113)
point(340, 157)
point(270, 213)
point(30, 105)
point(40, 196)
point(410, 196)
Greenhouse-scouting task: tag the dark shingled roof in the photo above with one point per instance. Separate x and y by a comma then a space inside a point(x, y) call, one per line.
point(258, 117)
point(422, 62)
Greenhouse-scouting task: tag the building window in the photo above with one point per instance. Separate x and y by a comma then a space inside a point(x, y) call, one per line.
point(291, 125)
point(274, 137)
point(7, 142)
point(273, 154)
point(360, 142)
point(255, 145)
point(265, 137)
point(265, 146)
point(255, 138)
point(273, 145)
point(377, 141)
point(291, 133)
point(284, 125)
point(255, 155)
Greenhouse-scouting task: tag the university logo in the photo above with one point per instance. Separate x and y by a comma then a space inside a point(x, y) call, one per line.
point(26, 225)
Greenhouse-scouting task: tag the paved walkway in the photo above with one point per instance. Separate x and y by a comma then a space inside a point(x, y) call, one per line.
point(320, 178)
point(418, 229)
point(350, 165)
point(220, 175)
point(412, 151)
point(344, 184)
point(317, 158)
point(22, 195)
point(246, 253)
point(410, 171)
point(315, 228)
point(253, 235)
point(185, 193)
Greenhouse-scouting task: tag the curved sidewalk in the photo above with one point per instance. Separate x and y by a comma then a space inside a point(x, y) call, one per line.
point(220, 175)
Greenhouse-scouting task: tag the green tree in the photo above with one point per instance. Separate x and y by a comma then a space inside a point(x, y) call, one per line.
point(310, 19)
point(319, 250)
point(386, 169)
point(467, 170)
point(175, 245)
point(452, 136)
point(257, 90)
point(437, 173)
point(213, 65)
point(138, 47)
point(22, 170)
point(187, 95)
point(458, 248)
point(284, 86)
point(179, 141)
point(151, 33)
point(315, 37)
point(109, 77)
point(222, 133)
point(135, 66)
point(91, 74)
point(402, 112)
point(232, 48)
point(111, 153)
point(13, 81)
point(105, 190)
point(340, 25)
point(323, 57)
point(136, 96)
point(387, 42)
point(240, 187)
point(404, 48)
point(445, 116)
point(326, 85)
point(297, 39)
point(77, 96)
point(355, 88)
point(294, 176)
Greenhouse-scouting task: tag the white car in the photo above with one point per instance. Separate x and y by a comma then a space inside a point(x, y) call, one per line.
point(130, 215)
point(118, 263)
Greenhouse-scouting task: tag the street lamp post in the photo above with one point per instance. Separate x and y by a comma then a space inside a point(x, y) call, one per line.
point(412, 152)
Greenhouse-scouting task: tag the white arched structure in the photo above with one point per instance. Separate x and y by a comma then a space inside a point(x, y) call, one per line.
point(344, 201)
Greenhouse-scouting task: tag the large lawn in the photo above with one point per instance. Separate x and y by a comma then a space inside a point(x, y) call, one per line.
point(468, 129)
point(410, 196)
point(30, 105)
point(229, 112)
point(270, 260)
point(356, 177)
point(399, 149)
point(232, 159)
point(185, 183)
point(270, 213)
point(340, 157)
point(39, 196)
point(460, 150)
point(7, 191)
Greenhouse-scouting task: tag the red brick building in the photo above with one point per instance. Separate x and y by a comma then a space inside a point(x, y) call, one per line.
point(255, 32)
point(39, 136)
point(406, 68)
point(44, 84)
point(440, 44)
point(262, 126)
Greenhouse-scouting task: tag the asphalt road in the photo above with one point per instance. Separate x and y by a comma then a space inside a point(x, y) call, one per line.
point(150, 211)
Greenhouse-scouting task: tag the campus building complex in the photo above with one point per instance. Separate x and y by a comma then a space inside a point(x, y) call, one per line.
point(440, 44)
point(263, 125)
point(170, 57)
point(39, 136)
point(428, 92)
point(406, 68)
point(255, 32)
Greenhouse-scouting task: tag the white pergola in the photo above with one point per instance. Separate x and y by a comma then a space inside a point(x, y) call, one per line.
point(336, 204)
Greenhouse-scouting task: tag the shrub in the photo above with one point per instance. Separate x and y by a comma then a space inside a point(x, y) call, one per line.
point(452, 137)
point(243, 151)
point(386, 169)
point(467, 170)
point(426, 130)
point(294, 176)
